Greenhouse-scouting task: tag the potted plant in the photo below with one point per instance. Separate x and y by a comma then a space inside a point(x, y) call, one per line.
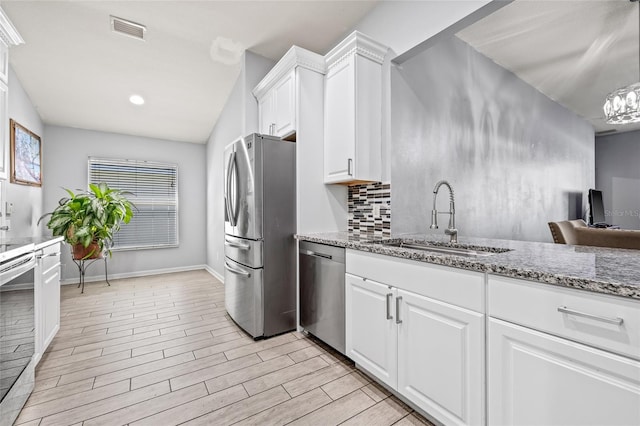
point(88, 220)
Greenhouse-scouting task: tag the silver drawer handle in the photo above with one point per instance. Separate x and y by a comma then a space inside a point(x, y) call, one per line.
point(398, 301)
point(236, 271)
point(42, 256)
point(237, 245)
point(616, 321)
point(389, 296)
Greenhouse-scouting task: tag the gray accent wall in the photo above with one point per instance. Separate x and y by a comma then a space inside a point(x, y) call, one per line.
point(66, 151)
point(238, 118)
point(27, 200)
point(516, 159)
point(618, 177)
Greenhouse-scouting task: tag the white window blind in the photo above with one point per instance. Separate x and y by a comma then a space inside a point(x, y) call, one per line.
point(154, 191)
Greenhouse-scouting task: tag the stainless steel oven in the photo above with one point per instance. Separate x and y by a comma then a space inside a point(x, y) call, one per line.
point(17, 329)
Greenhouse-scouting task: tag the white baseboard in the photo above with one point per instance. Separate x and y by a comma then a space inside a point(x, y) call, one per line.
point(95, 278)
point(214, 273)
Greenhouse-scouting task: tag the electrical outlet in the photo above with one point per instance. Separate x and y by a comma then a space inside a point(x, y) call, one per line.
point(9, 210)
point(376, 210)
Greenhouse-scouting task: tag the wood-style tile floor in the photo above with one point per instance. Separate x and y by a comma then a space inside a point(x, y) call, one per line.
point(160, 350)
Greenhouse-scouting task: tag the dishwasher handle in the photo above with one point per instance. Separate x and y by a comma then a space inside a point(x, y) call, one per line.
point(316, 254)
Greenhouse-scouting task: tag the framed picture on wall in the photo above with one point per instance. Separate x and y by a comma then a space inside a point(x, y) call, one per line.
point(26, 156)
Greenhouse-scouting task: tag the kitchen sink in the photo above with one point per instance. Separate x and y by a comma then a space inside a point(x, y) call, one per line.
point(443, 249)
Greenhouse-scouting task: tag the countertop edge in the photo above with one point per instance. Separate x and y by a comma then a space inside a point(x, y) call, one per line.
point(558, 280)
point(48, 242)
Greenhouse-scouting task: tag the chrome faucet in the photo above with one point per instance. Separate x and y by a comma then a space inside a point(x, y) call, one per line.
point(451, 230)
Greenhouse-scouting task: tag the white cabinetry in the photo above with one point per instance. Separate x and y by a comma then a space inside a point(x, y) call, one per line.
point(353, 111)
point(371, 332)
point(561, 357)
point(278, 93)
point(416, 333)
point(8, 37)
point(47, 289)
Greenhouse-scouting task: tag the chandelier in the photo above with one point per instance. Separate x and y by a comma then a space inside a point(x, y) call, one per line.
point(622, 106)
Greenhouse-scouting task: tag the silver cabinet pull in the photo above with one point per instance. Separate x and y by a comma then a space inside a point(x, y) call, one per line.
point(349, 167)
point(236, 271)
point(315, 253)
point(42, 256)
point(398, 301)
point(237, 245)
point(389, 296)
point(616, 321)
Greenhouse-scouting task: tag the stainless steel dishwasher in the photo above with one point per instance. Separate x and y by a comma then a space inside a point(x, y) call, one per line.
point(322, 293)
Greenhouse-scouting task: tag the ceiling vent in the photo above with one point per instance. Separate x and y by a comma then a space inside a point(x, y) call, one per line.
point(127, 28)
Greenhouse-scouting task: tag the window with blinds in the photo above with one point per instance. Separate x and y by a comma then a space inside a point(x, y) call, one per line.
point(154, 191)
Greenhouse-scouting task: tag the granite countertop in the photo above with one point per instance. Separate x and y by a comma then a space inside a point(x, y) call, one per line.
point(38, 242)
point(602, 270)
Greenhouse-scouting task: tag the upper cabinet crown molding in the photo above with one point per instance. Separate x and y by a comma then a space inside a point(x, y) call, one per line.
point(295, 57)
point(356, 43)
point(8, 33)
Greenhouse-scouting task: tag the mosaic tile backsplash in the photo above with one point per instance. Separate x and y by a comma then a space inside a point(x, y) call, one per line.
point(362, 199)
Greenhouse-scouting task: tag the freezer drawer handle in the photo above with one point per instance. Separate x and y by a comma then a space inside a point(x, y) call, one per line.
point(315, 253)
point(236, 271)
point(616, 321)
point(389, 297)
point(237, 245)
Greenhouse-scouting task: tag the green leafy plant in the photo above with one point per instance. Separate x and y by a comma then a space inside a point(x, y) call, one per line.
point(90, 217)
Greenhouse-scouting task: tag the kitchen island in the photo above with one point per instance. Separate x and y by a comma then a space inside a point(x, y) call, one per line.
point(603, 270)
point(529, 333)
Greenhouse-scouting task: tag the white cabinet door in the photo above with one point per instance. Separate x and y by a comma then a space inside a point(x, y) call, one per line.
point(371, 332)
point(339, 125)
point(47, 287)
point(441, 359)
point(539, 379)
point(266, 115)
point(284, 104)
point(277, 108)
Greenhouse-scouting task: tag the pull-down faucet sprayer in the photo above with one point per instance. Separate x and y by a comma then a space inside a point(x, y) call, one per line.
point(451, 229)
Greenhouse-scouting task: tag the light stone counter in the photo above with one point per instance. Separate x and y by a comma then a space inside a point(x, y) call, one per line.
point(602, 270)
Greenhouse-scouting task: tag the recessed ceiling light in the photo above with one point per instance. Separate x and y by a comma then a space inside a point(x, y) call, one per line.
point(136, 99)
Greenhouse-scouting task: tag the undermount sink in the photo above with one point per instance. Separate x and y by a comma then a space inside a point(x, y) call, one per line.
point(456, 251)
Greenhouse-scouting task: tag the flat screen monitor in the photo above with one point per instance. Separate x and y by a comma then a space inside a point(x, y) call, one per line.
point(596, 208)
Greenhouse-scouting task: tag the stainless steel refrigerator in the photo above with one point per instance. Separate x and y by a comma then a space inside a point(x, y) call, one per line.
point(260, 222)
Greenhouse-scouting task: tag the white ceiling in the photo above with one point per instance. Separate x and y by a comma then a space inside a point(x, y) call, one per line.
point(575, 52)
point(80, 74)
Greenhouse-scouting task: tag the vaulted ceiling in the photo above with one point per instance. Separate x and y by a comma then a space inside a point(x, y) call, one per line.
point(78, 73)
point(575, 52)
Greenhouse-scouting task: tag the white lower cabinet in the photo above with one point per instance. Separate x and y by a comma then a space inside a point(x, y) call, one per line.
point(440, 362)
point(47, 281)
point(558, 356)
point(539, 379)
point(371, 331)
point(429, 351)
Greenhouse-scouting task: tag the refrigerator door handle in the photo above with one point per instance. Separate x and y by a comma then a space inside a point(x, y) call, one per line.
point(237, 245)
point(236, 201)
point(230, 209)
point(236, 271)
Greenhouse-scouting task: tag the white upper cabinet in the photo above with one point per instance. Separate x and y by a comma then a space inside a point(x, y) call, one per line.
point(353, 111)
point(9, 36)
point(278, 93)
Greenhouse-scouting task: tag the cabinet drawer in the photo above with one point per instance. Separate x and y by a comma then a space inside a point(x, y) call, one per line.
point(581, 316)
point(455, 286)
point(50, 257)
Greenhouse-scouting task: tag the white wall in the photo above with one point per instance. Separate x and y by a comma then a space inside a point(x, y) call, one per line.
point(238, 118)
point(27, 200)
point(65, 153)
point(514, 165)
